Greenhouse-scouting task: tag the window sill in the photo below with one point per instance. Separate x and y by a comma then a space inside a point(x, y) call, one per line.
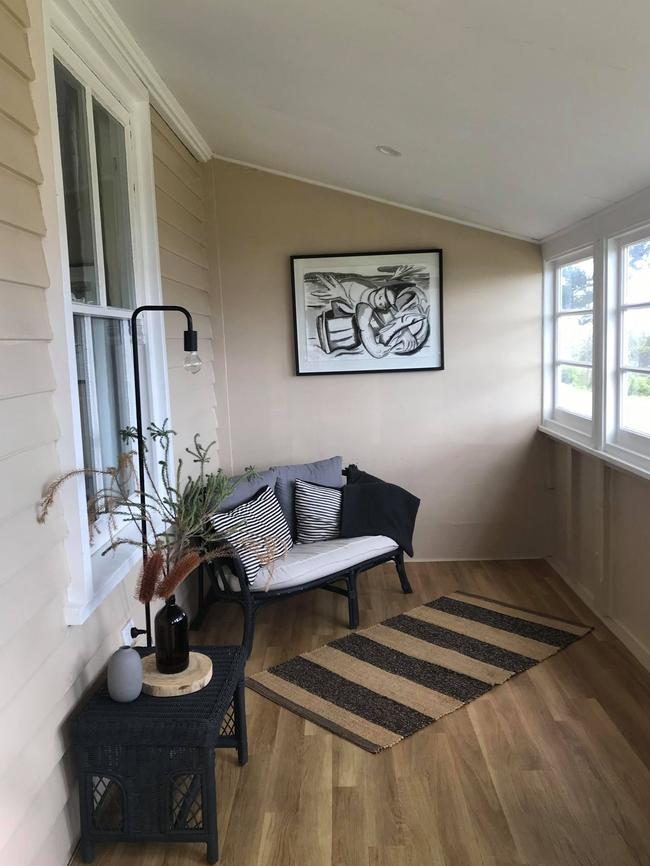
point(107, 573)
point(622, 459)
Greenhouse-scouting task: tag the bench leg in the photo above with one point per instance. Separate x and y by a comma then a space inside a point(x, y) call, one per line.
point(401, 571)
point(249, 627)
point(353, 600)
point(204, 600)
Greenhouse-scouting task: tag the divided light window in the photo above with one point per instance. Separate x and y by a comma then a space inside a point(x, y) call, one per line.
point(574, 337)
point(633, 315)
point(597, 348)
point(94, 141)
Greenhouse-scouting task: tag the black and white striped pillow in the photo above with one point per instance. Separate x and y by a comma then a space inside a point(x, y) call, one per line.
point(318, 512)
point(257, 530)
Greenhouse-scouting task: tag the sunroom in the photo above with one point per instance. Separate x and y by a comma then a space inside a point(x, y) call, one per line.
point(324, 433)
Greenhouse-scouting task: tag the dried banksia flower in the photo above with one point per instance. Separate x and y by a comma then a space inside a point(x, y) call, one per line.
point(52, 489)
point(183, 568)
point(149, 577)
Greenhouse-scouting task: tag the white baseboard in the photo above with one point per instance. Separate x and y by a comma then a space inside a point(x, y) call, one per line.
point(585, 594)
point(621, 631)
point(490, 558)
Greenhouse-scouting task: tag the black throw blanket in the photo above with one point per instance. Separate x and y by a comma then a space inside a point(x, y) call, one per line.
point(371, 506)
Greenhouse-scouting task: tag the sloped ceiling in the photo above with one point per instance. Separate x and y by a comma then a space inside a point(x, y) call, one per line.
point(520, 115)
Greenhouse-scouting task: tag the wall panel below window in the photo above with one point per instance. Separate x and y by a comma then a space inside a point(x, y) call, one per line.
point(601, 542)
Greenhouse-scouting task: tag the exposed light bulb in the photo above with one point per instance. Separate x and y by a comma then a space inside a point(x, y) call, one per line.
point(192, 362)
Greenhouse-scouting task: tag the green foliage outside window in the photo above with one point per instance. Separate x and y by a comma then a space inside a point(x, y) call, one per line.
point(638, 386)
point(578, 377)
point(577, 288)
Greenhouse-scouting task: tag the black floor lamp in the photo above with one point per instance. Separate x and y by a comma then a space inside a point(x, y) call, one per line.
point(193, 364)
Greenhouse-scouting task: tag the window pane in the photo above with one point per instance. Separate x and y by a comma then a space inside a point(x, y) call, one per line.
point(102, 353)
point(114, 207)
point(110, 348)
point(577, 285)
point(636, 272)
point(75, 167)
point(635, 402)
point(573, 391)
point(84, 385)
point(636, 338)
point(575, 338)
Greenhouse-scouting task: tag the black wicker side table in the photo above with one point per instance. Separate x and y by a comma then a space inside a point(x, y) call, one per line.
point(146, 769)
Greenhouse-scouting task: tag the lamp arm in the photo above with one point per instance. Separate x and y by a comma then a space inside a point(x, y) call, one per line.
point(190, 342)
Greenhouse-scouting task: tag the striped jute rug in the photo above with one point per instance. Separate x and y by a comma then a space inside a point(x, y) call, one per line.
point(379, 685)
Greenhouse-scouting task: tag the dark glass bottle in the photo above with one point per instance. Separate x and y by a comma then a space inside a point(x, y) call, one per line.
point(172, 645)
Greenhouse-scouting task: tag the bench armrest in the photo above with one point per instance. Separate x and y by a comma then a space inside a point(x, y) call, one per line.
point(235, 564)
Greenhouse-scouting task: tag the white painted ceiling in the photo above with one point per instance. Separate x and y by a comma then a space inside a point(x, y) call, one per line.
point(521, 115)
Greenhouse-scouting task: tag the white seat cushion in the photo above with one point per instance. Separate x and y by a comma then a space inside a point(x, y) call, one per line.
point(307, 562)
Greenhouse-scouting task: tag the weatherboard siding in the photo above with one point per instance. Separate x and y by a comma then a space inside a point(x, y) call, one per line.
point(47, 667)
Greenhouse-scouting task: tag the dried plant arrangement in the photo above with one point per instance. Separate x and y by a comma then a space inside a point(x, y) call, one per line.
point(179, 532)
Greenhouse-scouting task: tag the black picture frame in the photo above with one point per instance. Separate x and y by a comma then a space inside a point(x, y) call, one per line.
point(349, 343)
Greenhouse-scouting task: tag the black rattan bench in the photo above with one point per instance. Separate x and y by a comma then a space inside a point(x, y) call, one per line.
point(251, 600)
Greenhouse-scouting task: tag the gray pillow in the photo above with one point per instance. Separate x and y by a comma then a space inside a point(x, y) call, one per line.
point(246, 489)
point(328, 473)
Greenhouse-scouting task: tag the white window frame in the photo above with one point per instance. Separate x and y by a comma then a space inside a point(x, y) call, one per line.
point(605, 233)
point(620, 442)
point(561, 420)
point(95, 90)
point(84, 53)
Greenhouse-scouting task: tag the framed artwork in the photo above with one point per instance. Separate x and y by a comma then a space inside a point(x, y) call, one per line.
point(368, 312)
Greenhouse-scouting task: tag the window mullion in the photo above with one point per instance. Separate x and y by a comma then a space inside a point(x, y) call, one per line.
point(103, 312)
point(565, 363)
point(642, 305)
point(598, 346)
point(127, 383)
point(97, 214)
point(620, 312)
point(93, 407)
point(586, 312)
point(643, 370)
point(556, 319)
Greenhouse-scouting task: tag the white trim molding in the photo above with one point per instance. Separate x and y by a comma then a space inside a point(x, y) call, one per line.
point(101, 27)
point(638, 649)
point(622, 216)
point(626, 461)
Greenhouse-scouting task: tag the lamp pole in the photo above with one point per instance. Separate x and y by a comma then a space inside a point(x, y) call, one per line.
point(193, 364)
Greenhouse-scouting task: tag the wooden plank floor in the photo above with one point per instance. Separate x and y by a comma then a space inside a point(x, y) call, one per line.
point(549, 769)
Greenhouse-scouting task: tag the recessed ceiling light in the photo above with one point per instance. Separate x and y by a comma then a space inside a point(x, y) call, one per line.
point(387, 150)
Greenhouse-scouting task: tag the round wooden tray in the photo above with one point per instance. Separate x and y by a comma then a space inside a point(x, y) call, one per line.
point(196, 675)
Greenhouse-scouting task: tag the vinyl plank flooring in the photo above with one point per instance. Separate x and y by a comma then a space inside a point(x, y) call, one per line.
point(549, 769)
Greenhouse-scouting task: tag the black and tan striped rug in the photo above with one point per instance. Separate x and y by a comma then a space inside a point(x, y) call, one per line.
point(379, 685)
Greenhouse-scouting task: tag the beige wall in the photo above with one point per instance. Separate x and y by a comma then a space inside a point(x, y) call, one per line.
point(602, 545)
point(464, 439)
point(45, 666)
point(182, 202)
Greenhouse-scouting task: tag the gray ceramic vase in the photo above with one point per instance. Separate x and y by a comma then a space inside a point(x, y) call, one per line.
point(124, 675)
